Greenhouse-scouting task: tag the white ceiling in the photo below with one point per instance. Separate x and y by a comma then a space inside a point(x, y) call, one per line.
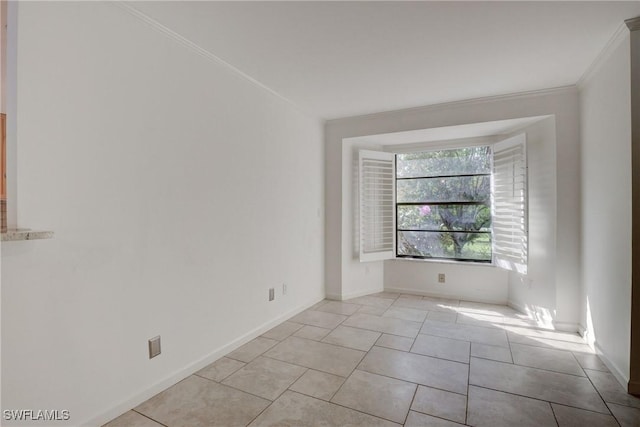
point(338, 59)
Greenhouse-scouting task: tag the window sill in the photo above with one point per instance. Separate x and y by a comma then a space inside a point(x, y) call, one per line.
point(444, 261)
point(25, 234)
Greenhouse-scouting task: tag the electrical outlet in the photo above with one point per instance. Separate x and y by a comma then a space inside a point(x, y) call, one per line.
point(441, 278)
point(284, 289)
point(272, 294)
point(154, 347)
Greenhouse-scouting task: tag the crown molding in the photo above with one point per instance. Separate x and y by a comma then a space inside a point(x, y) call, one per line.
point(633, 24)
point(612, 44)
point(199, 50)
point(455, 104)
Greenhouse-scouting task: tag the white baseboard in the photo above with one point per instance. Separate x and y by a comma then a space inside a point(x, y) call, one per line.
point(584, 333)
point(439, 295)
point(558, 326)
point(620, 376)
point(517, 307)
point(566, 326)
point(343, 297)
point(177, 376)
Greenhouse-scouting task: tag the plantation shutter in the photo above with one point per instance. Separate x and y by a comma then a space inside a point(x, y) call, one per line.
point(377, 205)
point(510, 228)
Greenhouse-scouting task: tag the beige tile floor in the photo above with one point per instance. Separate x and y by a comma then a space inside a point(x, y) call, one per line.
point(394, 359)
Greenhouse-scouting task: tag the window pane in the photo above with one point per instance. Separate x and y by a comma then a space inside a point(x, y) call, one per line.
point(456, 245)
point(444, 217)
point(454, 189)
point(462, 161)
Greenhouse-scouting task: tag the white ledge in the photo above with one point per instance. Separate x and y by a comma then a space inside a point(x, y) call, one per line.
point(25, 234)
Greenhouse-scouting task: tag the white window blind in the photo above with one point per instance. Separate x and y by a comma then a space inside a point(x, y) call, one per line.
point(377, 205)
point(510, 228)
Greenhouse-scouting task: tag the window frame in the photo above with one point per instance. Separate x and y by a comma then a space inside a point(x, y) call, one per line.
point(490, 261)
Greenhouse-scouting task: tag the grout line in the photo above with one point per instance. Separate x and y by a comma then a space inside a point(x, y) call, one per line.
point(306, 367)
point(148, 417)
point(411, 382)
point(533, 367)
point(510, 350)
point(415, 392)
point(439, 417)
point(539, 399)
point(602, 398)
point(466, 403)
point(346, 407)
point(457, 339)
point(554, 414)
point(238, 389)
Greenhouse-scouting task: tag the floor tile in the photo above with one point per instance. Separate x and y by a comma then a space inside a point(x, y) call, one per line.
point(626, 416)
point(480, 320)
point(546, 334)
point(282, 331)
point(410, 296)
point(610, 389)
point(443, 316)
point(372, 301)
point(318, 305)
point(444, 348)
point(501, 354)
point(552, 386)
point(574, 417)
point(395, 342)
point(377, 395)
point(252, 349)
point(546, 358)
point(392, 295)
point(440, 403)
point(466, 333)
point(488, 309)
point(265, 377)
point(319, 318)
point(318, 384)
point(429, 371)
point(196, 402)
point(424, 304)
point(416, 419)
point(387, 325)
point(590, 361)
point(312, 332)
point(359, 339)
point(295, 409)
point(376, 311)
point(549, 343)
point(496, 409)
point(317, 355)
point(338, 307)
point(519, 321)
point(132, 419)
point(406, 314)
point(220, 369)
point(445, 300)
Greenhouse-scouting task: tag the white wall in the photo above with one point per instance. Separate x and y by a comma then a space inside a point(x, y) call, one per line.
point(470, 282)
point(535, 293)
point(561, 103)
point(178, 192)
point(605, 109)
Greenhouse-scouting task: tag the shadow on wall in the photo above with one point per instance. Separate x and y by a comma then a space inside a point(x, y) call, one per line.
point(543, 317)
